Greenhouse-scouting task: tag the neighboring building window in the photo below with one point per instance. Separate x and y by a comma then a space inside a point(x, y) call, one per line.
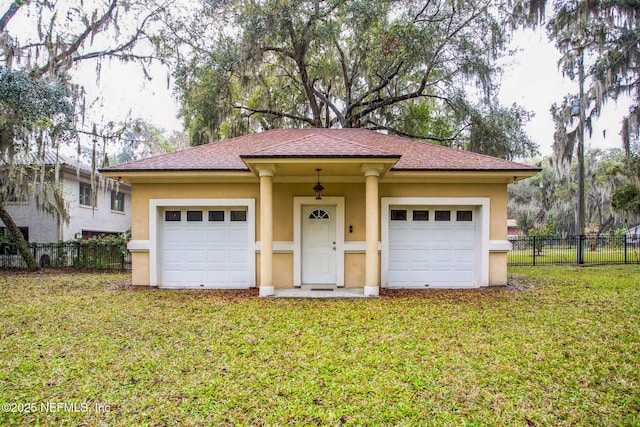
point(25, 232)
point(86, 195)
point(13, 198)
point(7, 247)
point(117, 201)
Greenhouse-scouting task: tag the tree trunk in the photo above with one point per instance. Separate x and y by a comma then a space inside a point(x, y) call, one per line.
point(18, 238)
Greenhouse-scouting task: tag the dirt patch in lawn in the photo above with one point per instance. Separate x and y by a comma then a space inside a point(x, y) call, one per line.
point(515, 283)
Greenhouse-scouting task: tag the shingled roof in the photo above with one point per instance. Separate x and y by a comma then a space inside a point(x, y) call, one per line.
point(228, 155)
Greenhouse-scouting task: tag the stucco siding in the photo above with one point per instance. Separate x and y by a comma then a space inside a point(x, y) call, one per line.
point(354, 271)
point(498, 269)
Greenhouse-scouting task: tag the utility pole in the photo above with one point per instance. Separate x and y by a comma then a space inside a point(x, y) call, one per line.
point(580, 223)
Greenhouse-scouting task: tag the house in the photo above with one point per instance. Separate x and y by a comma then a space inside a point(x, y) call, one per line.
point(513, 230)
point(314, 207)
point(104, 210)
point(633, 235)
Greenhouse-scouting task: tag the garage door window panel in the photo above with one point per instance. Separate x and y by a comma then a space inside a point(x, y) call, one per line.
point(238, 216)
point(216, 216)
point(420, 215)
point(172, 216)
point(398, 215)
point(464, 216)
point(194, 216)
point(443, 216)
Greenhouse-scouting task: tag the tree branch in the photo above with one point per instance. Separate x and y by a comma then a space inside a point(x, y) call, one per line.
point(93, 28)
point(331, 105)
point(124, 46)
point(276, 113)
point(281, 50)
point(385, 81)
point(408, 135)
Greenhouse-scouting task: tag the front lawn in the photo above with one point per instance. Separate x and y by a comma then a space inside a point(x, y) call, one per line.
point(82, 349)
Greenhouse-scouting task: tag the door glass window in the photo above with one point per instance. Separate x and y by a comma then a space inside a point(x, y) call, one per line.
point(319, 214)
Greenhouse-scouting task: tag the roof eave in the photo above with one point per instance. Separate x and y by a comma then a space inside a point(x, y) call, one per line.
point(320, 156)
point(502, 176)
point(353, 162)
point(168, 176)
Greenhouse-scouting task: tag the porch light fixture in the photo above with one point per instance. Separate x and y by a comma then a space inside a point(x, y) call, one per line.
point(318, 188)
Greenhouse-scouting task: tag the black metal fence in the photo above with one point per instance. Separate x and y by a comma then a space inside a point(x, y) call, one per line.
point(78, 254)
point(526, 250)
point(593, 250)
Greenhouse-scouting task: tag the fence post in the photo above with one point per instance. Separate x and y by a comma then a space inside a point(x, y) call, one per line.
point(624, 237)
point(580, 251)
point(534, 247)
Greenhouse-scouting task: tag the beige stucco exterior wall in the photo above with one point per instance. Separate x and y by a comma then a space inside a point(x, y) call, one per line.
point(283, 199)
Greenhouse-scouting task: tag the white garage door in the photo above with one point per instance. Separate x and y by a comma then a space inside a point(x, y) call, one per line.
point(204, 248)
point(432, 247)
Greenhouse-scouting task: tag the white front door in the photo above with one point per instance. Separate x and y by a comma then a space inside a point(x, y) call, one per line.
point(318, 245)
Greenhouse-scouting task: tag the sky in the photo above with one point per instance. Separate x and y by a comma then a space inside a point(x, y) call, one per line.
point(531, 79)
point(534, 81)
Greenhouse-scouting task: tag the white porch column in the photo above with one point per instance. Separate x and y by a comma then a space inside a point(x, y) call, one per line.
point(372, 263)
point(266, 230)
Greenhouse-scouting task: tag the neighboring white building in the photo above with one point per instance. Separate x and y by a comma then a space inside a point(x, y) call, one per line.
point(108, 213)
point(633, 234)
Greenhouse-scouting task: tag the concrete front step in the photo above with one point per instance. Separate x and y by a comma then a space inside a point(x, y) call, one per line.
point(322, 291)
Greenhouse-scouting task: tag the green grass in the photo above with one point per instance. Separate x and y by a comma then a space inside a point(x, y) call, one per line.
point(565, 352)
